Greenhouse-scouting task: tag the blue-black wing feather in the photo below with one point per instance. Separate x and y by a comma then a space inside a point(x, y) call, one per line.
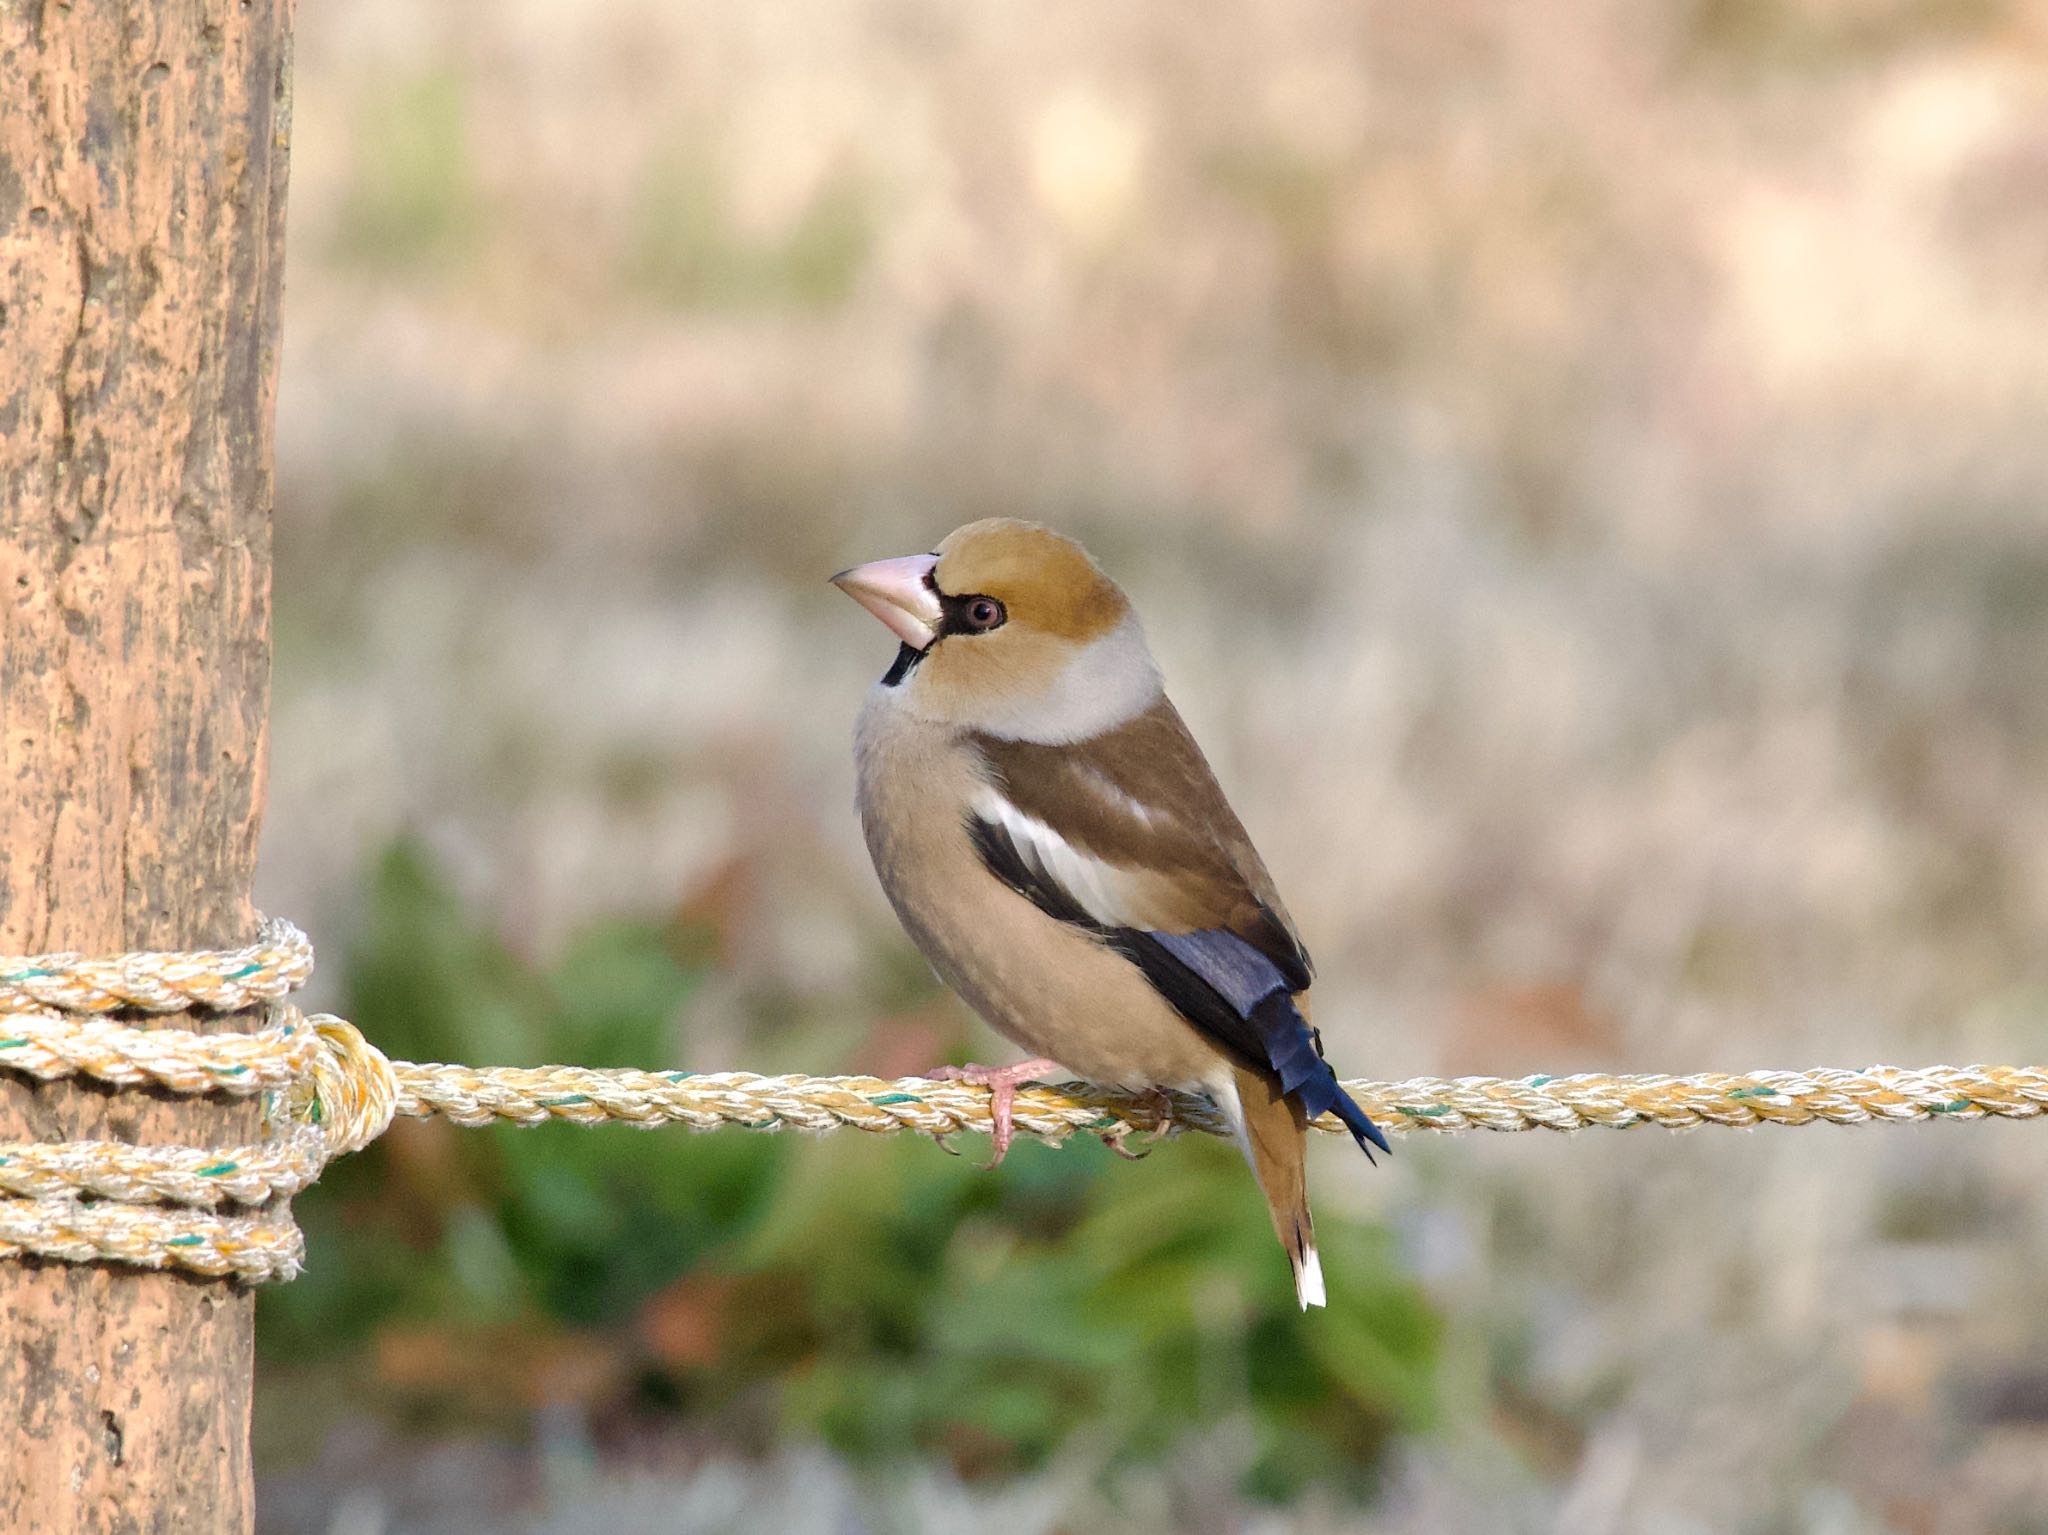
point(1234, 991)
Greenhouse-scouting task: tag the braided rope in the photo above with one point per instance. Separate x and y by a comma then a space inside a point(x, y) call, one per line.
point(251, 1248)
point(221, 981)
point(534, 1095)
point(49, 1046)
point(223, 1212)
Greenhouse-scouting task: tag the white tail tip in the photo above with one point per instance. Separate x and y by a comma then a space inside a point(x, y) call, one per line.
point(1308, 1280)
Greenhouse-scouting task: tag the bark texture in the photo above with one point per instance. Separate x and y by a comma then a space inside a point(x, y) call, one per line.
point(142, 180)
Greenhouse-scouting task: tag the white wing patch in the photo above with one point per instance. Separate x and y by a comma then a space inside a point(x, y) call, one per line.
point(1108, 893)
point(1110, 790)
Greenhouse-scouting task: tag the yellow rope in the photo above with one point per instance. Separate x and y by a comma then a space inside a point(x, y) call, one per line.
point(224, 1212)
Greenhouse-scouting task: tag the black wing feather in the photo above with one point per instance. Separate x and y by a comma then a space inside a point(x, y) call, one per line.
point(1231, 990)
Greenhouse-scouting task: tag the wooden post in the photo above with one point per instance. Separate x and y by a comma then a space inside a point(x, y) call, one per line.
point(142, 180)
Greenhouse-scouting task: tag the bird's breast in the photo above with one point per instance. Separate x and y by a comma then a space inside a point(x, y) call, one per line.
point(1054, 989)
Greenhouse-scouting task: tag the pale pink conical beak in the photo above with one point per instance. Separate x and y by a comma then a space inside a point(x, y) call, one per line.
point(898, 592)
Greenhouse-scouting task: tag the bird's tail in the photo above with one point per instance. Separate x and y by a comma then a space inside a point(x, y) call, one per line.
point(1274, 1129)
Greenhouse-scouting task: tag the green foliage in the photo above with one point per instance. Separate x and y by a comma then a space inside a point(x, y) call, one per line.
point(413, 199)
point(873, 1291)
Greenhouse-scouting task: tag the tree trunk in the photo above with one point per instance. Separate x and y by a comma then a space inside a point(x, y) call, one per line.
point(142, 180)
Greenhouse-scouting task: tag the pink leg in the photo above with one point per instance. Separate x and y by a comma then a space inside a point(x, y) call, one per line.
point(1001, 1082)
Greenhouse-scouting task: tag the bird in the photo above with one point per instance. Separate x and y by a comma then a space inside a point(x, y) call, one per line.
point(1055, 843)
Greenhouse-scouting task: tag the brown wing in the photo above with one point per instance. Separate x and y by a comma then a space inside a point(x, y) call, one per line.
point(1142, 802)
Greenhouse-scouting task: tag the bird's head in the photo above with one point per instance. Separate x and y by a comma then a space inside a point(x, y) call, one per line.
point(1011, 629)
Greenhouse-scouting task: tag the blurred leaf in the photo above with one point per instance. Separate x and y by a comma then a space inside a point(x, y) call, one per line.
point(482, 1266)
point(616, 991)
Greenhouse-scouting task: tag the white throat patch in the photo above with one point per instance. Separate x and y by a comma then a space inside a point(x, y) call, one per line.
point(1109, 681)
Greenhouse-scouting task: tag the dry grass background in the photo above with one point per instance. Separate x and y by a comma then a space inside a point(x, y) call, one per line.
point(1585, 469)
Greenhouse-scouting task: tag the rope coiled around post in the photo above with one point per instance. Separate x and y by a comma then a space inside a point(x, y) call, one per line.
point(328, 1091)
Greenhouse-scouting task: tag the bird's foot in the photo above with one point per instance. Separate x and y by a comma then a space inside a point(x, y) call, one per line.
point(1162, 1105)
point(1001, 1082)
point(1160, 1101)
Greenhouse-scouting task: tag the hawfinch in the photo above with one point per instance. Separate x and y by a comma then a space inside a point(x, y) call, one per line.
point(1055, 843)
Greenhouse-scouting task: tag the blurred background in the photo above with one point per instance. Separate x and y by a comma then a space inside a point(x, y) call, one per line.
point(1584, 468)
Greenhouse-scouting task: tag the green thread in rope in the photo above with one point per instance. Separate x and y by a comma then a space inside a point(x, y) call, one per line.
point(12, 1044)
point(27, 975)
point(883, 1100)
point(185, 1241)
point(678, 1076)
point(1752, 1092)
point(1433, 1112)
point(219, 1169)
point(1952, 1108)
point(567, 1100)
point(1542, 1080)
point(245, 972)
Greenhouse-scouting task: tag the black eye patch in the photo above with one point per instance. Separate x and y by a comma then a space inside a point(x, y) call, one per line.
point(974, 613)
point(970, 613)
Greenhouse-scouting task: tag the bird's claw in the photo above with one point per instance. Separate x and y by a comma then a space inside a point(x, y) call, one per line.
point(1001, 1082)
point(1115, 1141)
point(1162, 1106)
point(1161, 1103)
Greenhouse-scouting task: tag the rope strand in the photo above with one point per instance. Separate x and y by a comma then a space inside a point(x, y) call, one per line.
point(224, 1212)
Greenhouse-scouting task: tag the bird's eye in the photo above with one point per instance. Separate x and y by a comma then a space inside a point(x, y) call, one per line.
point(982, 614)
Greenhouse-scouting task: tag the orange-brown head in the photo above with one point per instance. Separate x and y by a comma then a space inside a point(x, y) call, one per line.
point(1010, 628)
